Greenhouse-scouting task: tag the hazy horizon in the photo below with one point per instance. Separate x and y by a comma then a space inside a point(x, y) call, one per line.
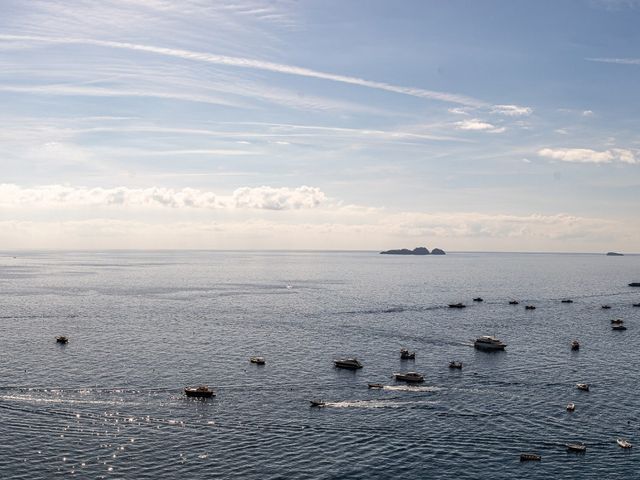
point(467, 126)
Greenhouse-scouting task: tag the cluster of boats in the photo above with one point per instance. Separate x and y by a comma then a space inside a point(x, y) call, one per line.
point(578, 447)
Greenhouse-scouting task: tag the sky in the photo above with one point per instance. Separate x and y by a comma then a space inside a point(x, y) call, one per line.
point(333, 125)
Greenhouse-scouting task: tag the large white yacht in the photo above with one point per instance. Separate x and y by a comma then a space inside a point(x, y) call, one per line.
point(488, 343)
point(350, 363)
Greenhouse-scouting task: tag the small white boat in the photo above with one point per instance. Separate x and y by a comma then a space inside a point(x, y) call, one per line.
point(257, 360)
point(348, 363)
point(571, 407)
point(411, 377)
point(455, 364)
point(624, 443)
point(576, 447)
point(582, 386)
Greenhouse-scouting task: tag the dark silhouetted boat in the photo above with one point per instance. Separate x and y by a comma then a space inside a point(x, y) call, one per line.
point(634, 284)
point(618, 326)
point(457, 305)
point(455, 364)
point(62, 339)
point(567, 300)
point(407, 355)
point(530, 307)
point(514, 302)
point(575, 345)
point(636, 304)
point(201, 391)
point(257, 360)
point(377, 386)
point(478, 299)
point(606, 307)
point(317, 403)
point(530, 457)
point(348, 363)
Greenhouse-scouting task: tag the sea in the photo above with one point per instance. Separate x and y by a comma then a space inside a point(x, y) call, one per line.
point(142, 325)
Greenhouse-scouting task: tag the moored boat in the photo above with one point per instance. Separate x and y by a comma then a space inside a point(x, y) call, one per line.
point(624, 443)
point(617, 322)
point(348, 363)
point(576, 447)
point(488, 343)
point(571, 407)
point(478, 299)
point(636, 304)
point(514, 302)
point(618, 326)
point(634, 284)
point(455, 364)
point(529, 307)
point(411, 377)
point(457, 305)
point(528, 457)
point(62, 339)
point(407, 355)
point(575, 345)
point(257, 360)
point(567, 300)
point(582, 386)
point(201, 391)
point(605, 307)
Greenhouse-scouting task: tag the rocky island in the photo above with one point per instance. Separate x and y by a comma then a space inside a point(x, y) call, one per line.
point(615, 254)
point(415, 251)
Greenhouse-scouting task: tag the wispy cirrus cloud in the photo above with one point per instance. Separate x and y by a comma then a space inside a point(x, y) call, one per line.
point(619, 61)
point(587, 155)
point(241, 62)
point(512, 110)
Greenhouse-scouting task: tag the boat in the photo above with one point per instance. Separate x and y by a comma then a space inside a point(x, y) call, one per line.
point(488, 343)
point(377, 386)
point(529, 307)
point(617, 321)
point(457, 305)
point(455, 364)
point(634, 284)
point(348, 363)
point(317, 403)
point(62, 339)
point(257, 360)
point(582, 386)
point(514, 302)
point(636, 304)
point(605, 307)
point(575, 345)
point(571, 407)
point(478, 299)
point(576, 447)
point(567, 300)
point(528, 457)
point(624, 443)
point(201, 391)
point(618, 327)
point(411, 377)
point(407, 355)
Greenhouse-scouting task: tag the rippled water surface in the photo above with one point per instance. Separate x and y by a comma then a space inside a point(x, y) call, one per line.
point(109, 404)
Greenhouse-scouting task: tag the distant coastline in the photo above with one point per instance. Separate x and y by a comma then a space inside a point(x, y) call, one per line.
point(415, 251)
point(615, 254)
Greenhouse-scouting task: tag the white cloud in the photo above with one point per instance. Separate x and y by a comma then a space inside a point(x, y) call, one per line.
point(619, 61)
point(587, 155)
point(458, 111)
point(587, 113)
point(511, 110)
point(479, 125)
point(68, 197)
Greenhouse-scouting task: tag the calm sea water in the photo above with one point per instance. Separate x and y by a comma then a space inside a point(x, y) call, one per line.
point(141, 325)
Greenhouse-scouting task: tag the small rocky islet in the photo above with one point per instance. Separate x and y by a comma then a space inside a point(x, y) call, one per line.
point(415, 251)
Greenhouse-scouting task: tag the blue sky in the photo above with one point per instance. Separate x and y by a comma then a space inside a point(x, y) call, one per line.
point(465, 125)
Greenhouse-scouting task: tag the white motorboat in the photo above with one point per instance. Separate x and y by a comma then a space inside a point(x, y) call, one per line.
point(257, 360)
point(488, 343)
point(576, 447)
point(582, 386)
point(455, 364)
point(348, 363)
point(624, 443)
point(411, 377)
point(571, 407)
